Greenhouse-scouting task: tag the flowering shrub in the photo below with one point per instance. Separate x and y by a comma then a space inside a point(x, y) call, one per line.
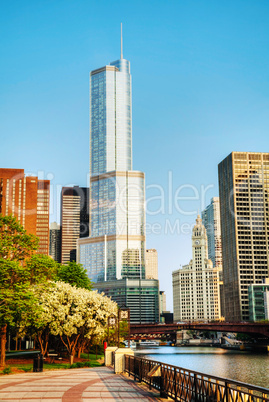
point(74, 314)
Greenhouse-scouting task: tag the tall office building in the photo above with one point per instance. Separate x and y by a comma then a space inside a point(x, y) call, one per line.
point(162, 301)
point(74, 220)
point(42, 216)
point(26, 198)
point(55, 241)
point(243, 190)
point(115, 249)
point(211, 221)
point(151, 264)
point(196, 294)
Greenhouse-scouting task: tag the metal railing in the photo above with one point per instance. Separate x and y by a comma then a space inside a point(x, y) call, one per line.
point(191, 386)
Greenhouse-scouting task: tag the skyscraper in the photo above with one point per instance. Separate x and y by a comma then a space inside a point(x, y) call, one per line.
point(151, 264)
point(115, 249)
point(55, 241)
point(211, 221)
point(42, 215)
point(74, 220)
point(244, 206)
point(196, 294)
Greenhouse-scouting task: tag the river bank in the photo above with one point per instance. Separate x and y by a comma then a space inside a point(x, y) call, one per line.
point(245, 366)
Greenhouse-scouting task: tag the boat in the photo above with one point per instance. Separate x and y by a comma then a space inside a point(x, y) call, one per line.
point(149, 344)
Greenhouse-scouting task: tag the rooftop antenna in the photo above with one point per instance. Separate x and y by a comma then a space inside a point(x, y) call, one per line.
point(121, 52)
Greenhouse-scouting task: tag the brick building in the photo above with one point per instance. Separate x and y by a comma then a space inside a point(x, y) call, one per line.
point(26, 198)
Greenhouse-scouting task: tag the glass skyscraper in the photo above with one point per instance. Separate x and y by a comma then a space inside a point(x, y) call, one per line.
point(211, 221)
point(115, 249)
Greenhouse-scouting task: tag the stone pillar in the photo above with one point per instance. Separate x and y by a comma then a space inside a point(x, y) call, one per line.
point(108, 355)
point(119, 366)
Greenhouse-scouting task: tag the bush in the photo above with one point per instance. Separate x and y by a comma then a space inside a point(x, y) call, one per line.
point(78, 365)
point(7, 370)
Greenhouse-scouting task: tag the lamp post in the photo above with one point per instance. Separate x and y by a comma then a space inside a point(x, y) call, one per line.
point(124, 315)
point(111, 322)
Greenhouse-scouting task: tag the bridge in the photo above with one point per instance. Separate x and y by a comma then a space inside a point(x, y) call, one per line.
point(155, 330)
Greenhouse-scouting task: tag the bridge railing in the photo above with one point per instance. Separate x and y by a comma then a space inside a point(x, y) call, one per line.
point(191, 386)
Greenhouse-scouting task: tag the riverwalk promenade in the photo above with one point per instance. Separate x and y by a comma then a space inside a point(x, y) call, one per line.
point(87, 384)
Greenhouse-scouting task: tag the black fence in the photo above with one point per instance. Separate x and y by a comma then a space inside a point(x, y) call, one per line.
point(191, 386)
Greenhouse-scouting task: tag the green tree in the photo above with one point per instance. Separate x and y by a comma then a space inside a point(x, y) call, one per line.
point(19, 269)
point(41, 268)
point(75, 275)
point(16, 298)
point(15, 243)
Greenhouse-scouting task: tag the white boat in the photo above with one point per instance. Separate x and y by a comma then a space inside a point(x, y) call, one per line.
point(148, 344)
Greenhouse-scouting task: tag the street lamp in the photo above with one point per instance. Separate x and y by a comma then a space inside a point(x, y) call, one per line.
point(111, 322)
point(124, 315)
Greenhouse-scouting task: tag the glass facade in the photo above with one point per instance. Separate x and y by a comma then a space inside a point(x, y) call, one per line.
point(109, 260)
point(116, 246)
point(111, 118)
point(115, 250)
point(256, 293)
point(141, 296)
point(211, 221)
point(117, 204)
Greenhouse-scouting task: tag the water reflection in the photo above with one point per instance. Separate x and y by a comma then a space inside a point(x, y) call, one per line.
point(240, 366)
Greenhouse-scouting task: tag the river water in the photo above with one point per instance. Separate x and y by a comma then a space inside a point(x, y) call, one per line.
point(247, 367)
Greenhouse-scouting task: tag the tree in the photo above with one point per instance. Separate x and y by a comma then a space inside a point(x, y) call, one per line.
point(20, 268)
point(15, 243)
point(16, 298)
point(74, 314)
point(15, 246)
point(41, 268)
point(75, 275)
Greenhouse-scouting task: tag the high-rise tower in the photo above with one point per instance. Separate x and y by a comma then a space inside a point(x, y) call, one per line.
point(151, 270)
point(115, 249)
point(74, 220)
point(211, 221)
point(55, 241)
point(244, 206)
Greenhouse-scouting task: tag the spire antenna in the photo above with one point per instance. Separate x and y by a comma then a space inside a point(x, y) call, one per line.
point(121, 52)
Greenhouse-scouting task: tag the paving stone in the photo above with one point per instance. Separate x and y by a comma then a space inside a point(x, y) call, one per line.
point(74, 385)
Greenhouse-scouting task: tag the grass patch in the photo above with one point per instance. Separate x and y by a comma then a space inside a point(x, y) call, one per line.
point(89, 361)
point(91, 356)
point(27, 367)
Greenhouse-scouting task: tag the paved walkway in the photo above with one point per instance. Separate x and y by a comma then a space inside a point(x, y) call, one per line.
point(91, 384)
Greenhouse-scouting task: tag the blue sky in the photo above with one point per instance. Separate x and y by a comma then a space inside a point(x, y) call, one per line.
point(200, 91)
